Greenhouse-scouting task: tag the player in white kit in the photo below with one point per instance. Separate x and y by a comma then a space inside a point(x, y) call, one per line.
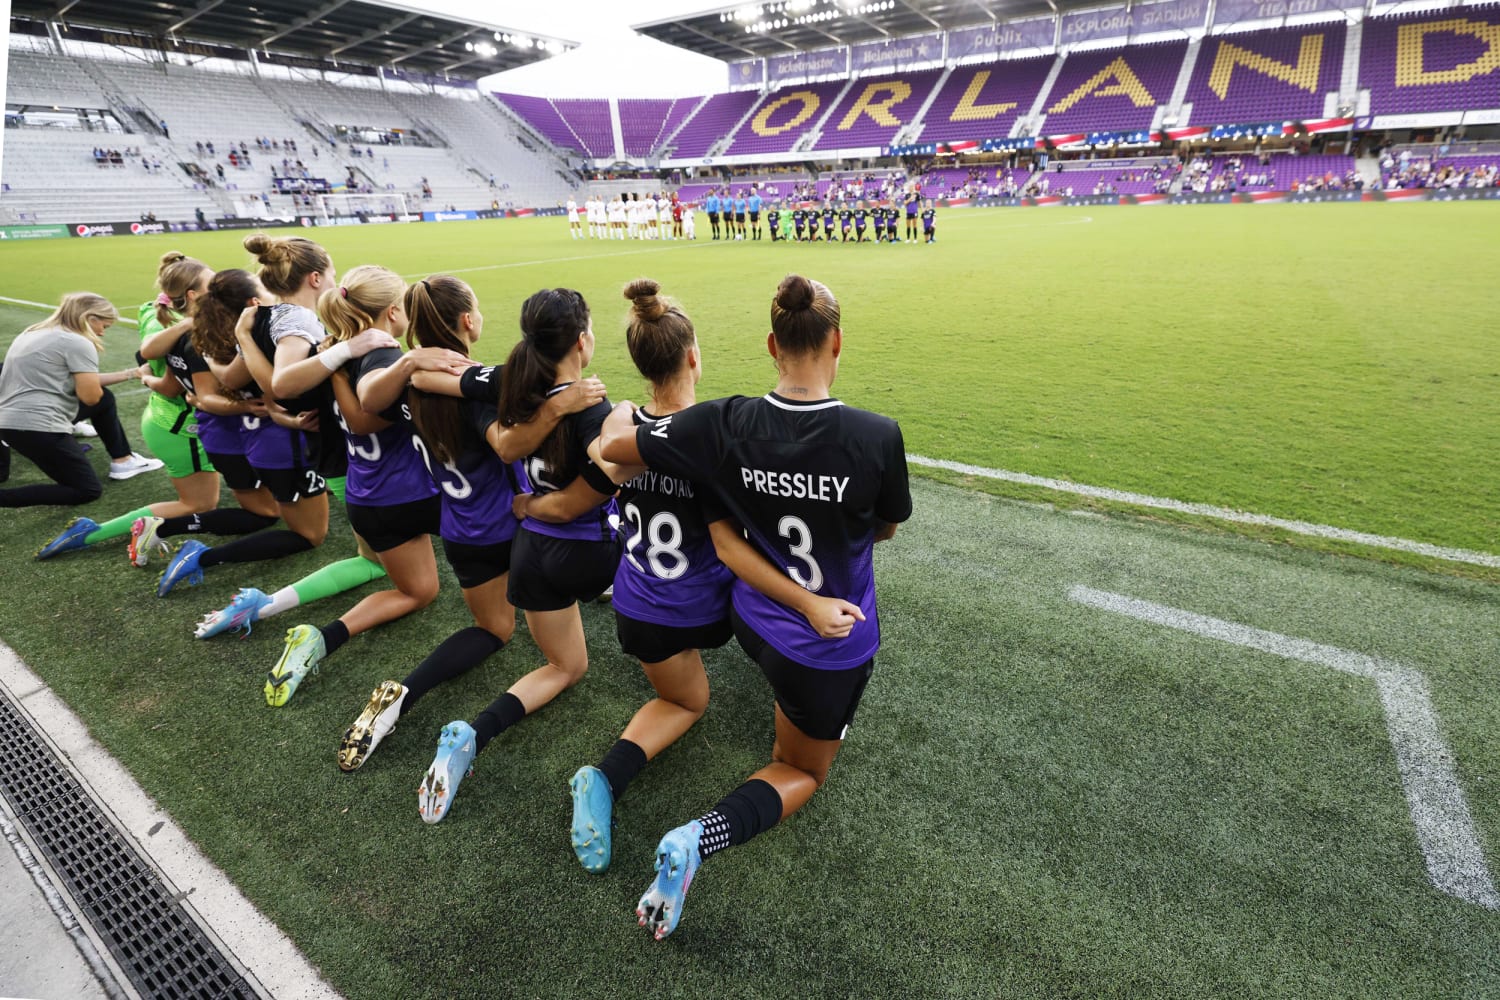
point(575, 229)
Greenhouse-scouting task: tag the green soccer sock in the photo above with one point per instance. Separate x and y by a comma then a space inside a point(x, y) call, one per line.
point(335, 578)
point(117, 527)
point(336, 487)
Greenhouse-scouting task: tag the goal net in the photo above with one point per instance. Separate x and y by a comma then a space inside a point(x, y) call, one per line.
point(335, 207)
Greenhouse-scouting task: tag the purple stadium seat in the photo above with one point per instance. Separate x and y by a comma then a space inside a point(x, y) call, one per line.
point(1266, 75)
point(1113, 89)
point(539, 113)
point(646, 124)
point(983, 102)
point(589, 120)
point(785, 115)
point(713, 122)
point(876, 108)
point(1433, 61)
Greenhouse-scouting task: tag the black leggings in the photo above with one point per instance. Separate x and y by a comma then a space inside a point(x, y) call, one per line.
point(61, 458)
point(106, 420)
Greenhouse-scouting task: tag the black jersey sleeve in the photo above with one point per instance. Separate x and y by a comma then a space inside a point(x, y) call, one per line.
point(481, 383)
point(893, 503)
point(480, 415)
point(377, 360)
point(689, 443)
point(587, 423)
point(711, 506)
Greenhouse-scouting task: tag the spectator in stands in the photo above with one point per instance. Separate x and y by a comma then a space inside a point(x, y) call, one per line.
point(51, 380)
point(219, 167)
point(202, 219)
point(164, 130)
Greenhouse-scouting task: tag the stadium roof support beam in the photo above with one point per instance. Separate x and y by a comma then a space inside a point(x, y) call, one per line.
point(197, 12)
point(721, 41)
point(302, 22)
point(63, 8)
point(917, 10)
point(370, 36)
point(456, 36)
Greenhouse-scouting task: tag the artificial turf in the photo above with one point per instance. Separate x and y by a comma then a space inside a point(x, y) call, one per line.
point(1036, 799)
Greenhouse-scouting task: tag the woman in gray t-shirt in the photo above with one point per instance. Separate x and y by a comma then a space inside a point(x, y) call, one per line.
point(50, 370)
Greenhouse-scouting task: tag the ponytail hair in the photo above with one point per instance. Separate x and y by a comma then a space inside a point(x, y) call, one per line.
point(552, 320)
point(658, 333)
point(435, 308)
point(286, 261)
point(356, 305)
point(175, 277)
point(229, 293)
point(74, 312)
point(803, 314)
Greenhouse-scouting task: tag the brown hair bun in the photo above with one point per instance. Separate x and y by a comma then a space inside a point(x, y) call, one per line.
point(795, 294)
point(644, 295)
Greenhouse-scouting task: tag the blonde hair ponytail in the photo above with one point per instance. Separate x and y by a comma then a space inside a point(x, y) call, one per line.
point(75, 311)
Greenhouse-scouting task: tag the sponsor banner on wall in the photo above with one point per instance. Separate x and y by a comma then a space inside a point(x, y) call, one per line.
point(238, 223)
point(449, 216)
point(747, 73)
point(896, 53)
point(1206, 198)
point(33, 232)
point(800, 65)
point(88, 229)
point(995, 39)
point(1308, 196)
point(1084, 26)
point(299, 185)
point(1232, 11)
point(1168, 15)
point(1463, 194)
point(1091, 199)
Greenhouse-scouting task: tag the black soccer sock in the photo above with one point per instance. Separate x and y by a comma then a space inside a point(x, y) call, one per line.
point(456, 655)
point(335, 634)
point(504, 712)
point(256, 547)
point(621, 764)
point(752, 808)
point(229, 521)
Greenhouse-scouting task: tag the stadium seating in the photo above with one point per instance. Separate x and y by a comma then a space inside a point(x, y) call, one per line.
point(1433, 61)
point(590, 121)
point(1085, 181)
point(1266, 75)
point(712, 122)
point(645, 124)
point(983, 102)
point(785, 116)
point(1113, 89)
point(875, 109)
point(37, 79)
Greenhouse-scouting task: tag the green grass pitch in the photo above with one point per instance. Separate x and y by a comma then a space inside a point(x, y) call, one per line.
point(1037, 799)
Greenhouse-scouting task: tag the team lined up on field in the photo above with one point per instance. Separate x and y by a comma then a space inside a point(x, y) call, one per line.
point(750, 517)
point(737, 214)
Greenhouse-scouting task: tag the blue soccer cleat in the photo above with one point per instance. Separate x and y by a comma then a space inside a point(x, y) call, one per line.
point(182, 568)
point(677, 861)
point(299, 660)
point(242, 613)
point(593, 818)
point(457, 745)
point(73, 537)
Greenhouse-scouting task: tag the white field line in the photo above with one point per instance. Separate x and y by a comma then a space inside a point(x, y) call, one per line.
point(27, 302)
point(1445, 829)
point(1219, 513)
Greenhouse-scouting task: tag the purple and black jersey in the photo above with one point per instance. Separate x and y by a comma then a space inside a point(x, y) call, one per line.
point(385, 468)
point(476, 488)
point(929, 220)
point(219, 435)
point(582, 429)
point(810, 483)
point(670, 574)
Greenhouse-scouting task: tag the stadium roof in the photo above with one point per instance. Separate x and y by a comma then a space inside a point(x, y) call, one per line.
point(782, 26)
point(349, 31)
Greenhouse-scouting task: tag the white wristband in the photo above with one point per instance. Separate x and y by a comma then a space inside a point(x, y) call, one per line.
point(336, 356)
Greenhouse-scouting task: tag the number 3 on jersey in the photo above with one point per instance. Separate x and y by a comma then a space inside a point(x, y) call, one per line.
point(789, 527)
point(664, 535)
point(460, 491)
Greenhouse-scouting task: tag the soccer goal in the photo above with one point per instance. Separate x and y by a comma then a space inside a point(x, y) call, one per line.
point(333, 207)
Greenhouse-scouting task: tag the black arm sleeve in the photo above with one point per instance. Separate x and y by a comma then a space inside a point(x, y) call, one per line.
point(893, 504)
point(689, 443)
point(481, 383)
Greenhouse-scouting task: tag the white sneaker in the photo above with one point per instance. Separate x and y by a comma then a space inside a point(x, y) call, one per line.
point(133, 466)
point(84, 429)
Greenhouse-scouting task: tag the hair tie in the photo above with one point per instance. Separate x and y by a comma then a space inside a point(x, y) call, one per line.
point(343, 292)
point(164, 300)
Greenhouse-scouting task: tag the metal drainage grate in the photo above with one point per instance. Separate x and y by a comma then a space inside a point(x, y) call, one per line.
point(160, 947)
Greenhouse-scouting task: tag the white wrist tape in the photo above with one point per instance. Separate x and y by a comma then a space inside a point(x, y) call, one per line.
point(336, 356)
